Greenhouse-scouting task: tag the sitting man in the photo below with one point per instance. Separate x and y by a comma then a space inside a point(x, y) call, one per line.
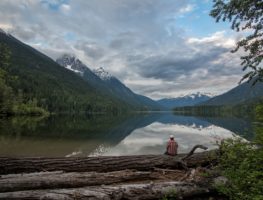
point(172, 147)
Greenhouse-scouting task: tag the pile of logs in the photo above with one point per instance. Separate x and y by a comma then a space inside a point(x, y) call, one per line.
point(122, 177)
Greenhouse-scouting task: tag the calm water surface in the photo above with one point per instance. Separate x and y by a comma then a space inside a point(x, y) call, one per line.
point(113, 135)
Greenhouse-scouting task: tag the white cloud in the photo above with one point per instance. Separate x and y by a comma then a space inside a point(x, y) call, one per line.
point(188, 8)
point(6, 27)
point(65, 8)
point(137, 41)
point(218, 39)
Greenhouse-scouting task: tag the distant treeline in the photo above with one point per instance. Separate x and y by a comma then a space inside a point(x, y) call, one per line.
point(247, 109)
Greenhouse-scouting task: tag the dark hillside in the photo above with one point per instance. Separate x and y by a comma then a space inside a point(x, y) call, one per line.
point(54, 87)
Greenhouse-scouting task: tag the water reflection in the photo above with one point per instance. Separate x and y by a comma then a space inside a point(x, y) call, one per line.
point(188, 131)
point(111, 135)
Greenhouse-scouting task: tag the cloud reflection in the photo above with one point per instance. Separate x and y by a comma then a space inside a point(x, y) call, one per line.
point(153, 138)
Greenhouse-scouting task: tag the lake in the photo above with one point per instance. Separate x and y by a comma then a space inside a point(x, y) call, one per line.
point(114, 135)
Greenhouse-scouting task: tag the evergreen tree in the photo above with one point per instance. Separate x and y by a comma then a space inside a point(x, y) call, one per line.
point(6, 92)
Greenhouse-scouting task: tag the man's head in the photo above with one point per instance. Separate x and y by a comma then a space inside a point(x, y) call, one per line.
point(171, 137)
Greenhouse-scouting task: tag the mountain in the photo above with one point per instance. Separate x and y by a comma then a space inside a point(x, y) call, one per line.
point(124, 93)
point(107, 84)
point(242, 93)
point(187, 100)
point(71, 63)
point(32, 75)
point(102, 74)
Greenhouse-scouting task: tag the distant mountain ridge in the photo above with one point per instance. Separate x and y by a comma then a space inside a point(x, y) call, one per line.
point(240, 94)
point(107, 83)
point(187, 100)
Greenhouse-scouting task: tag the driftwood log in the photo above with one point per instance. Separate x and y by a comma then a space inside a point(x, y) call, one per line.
point(105, 164)
point(51, 180)
point(124, 191)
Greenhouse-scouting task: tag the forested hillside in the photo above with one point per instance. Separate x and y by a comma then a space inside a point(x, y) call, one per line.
point(240, 94)
point(29, 79)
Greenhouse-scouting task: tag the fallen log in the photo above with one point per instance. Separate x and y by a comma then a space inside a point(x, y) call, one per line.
point(59, 179)
point(126, 191)
point(107, 177)
point(104, 164)
point(53, 180)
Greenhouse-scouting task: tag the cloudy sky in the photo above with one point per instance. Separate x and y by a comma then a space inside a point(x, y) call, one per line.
point(158, 48)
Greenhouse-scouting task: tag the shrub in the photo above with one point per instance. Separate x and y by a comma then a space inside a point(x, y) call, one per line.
point(242, 164)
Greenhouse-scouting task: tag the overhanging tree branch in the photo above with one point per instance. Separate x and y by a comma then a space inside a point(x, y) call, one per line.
point(245, 15)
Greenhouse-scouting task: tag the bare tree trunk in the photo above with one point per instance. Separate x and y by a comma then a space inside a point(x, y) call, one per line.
point(104, 164)
point(193, 150)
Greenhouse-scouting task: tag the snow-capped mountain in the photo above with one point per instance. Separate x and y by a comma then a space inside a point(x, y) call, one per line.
point(102, 74)
point(198, 95)
point(185, 100)
point(72, 63)
point(107, 84)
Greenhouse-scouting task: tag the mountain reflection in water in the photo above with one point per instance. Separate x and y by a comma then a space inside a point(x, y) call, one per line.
point(112, 135)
